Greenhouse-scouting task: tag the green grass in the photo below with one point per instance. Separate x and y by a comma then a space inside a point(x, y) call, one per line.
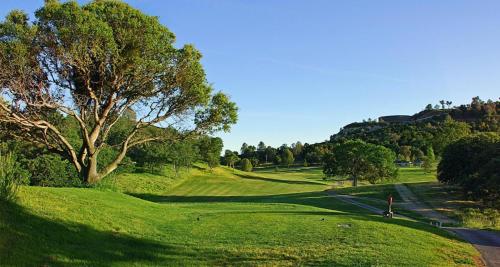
point(382, 191)
point(227, 182)
point(414, 175)
point(214, 218)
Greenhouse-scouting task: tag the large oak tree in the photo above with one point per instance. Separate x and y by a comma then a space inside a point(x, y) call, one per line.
point(360, 161)
point(94, 63)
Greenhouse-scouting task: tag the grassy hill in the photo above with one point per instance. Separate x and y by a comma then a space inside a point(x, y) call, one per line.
point(213, 218)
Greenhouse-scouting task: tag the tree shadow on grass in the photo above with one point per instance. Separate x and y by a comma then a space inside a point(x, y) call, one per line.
point(27, 239)
point(316, 199)
point(277, 180)
point(30, 240)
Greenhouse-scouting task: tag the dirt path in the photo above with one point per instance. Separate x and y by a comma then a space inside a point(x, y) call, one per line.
point(486, 242)
point(411, 202)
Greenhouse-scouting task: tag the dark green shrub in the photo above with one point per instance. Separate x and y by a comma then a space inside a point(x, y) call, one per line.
point(11, 177)
point(473, 163)
point(52, 170)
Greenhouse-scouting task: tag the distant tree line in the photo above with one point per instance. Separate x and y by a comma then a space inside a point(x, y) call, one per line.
point(284, 155)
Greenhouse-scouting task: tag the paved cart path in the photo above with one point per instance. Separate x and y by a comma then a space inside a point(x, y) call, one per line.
point(355, 201)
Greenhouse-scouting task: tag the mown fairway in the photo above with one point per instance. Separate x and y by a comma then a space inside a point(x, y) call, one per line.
point(214, 218)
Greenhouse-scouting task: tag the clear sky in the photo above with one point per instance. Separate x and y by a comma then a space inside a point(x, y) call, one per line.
point(300, 70)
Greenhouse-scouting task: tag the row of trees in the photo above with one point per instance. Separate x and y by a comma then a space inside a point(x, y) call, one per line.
point(443, 104)
point(284, 155)
point(180, 154)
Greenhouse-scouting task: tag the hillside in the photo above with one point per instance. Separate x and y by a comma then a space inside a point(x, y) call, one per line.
point(480, 115)
point(214, 218)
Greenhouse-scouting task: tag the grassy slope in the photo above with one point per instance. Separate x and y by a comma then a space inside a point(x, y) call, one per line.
point(214, 218)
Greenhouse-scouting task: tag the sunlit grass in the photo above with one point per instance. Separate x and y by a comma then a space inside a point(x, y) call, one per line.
point(217, 217)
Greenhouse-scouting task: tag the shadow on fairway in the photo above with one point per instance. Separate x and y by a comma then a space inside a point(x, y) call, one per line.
point(277, 180)
point(30, 240)
point(27, 239)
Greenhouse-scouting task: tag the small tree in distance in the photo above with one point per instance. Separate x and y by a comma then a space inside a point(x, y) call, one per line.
point(287, 158)
point(429, 159)
point(210, 150)
point(182, 155)
point(231, 158)
point(246, 165)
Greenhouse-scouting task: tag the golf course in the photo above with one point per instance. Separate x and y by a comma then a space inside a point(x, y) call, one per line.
point(249, 133)
point(215, 217)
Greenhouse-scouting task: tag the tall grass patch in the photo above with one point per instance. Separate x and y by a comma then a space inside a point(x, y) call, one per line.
point(10, 177)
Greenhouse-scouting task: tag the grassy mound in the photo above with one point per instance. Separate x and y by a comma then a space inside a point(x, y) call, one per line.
point(214, 218)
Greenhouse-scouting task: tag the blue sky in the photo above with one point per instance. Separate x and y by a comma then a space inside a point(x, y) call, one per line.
point(300, 70)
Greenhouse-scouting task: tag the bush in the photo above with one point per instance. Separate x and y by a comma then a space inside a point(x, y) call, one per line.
point(246, 165)
point(10, 177)
point(52, 170)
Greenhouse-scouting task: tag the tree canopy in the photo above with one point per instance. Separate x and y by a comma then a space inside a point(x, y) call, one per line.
point(287, 158)
point(231, 158)
point(473, 163)
point(210, 150)
point(360, 161)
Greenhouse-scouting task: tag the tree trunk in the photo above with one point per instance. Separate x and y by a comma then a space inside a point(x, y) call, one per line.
point(91, 176)
point(354, 181)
